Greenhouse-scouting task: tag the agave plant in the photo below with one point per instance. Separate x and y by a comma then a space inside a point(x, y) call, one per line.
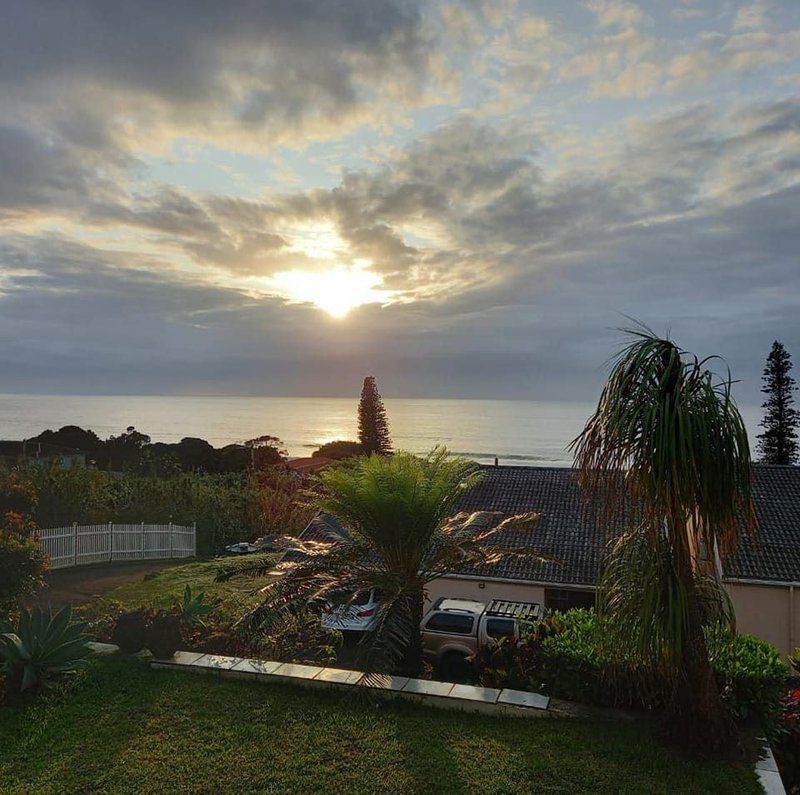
point(391, 525)
point(40, 647)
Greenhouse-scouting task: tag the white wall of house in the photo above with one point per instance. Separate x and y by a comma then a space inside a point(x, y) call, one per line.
point(483, 590)
point(770, 612)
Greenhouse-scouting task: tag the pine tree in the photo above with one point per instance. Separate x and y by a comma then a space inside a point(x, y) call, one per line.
point(778, 443)
point(373, 427)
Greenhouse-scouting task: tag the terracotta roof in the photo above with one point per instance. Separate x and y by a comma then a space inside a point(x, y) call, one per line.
point(568, 532)
point(774, 553)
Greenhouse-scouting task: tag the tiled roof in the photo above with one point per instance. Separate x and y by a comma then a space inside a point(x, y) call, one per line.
point(774, 553)
point(565, 530)
point(568, 532)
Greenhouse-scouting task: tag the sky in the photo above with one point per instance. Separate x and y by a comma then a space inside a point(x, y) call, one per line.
point(465, 199)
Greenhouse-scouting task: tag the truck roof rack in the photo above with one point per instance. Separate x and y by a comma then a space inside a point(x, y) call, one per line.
point(525, 610)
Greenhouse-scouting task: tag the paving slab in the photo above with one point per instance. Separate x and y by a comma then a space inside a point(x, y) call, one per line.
point(384, 682)
point(520, 698)
point(251, 669)
point(217, 661)
point(424, 687)
point(338, 676)
point(297, 671)
point(485, 695)
point(185, 657)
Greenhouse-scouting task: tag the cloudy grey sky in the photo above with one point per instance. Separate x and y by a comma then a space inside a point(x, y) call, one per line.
point(463, 198)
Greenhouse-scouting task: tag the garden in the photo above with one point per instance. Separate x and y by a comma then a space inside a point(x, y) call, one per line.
point(686, 696)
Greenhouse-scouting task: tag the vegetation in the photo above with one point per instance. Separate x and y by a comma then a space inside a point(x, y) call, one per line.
point(125, 727)
point(40, 647)
point(168, 586)
point(373, 426)
point(667, 440)
point(22, 562)
point(225, 508)
point(567, 656)
point(778, 443)
point(339, 450)
point(132, 451)
point(391, 527)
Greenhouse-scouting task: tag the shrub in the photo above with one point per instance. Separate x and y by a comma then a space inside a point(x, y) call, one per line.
point(22, 568)
point(164, 635)
point(130, 630)
point(100, 616)
point(41, 647)
point(750, 674)
point(298, 636)
point(565, 657)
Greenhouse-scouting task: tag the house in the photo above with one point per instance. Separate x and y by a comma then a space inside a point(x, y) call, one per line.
point(761, 578)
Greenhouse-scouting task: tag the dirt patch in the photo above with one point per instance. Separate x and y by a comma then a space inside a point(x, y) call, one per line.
point(78, 585)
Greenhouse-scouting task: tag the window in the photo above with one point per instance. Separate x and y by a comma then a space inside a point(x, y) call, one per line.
point(457, 623)
point(567, 599)
point(500, 627)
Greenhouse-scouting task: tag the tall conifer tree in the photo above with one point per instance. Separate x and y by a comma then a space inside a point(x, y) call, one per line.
point(373, 427)
point(778, 443)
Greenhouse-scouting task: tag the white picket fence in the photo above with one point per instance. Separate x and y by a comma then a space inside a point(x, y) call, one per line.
point(77, 545)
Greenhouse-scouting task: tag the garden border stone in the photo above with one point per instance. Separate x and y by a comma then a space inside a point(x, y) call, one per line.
point(439, 694)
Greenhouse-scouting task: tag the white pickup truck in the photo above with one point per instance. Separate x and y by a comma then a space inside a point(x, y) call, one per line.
point(454, 629)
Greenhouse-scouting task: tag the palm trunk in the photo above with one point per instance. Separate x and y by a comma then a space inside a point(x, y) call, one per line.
point(412, 661)
point(700, 721)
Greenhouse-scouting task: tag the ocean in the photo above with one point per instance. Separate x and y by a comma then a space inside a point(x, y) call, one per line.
point(515, 431)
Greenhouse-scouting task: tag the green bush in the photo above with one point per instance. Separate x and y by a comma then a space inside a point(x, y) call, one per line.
point(565, 657)
point(22, 566)
point(40, 647)
point(225, 507)
point(751, 675)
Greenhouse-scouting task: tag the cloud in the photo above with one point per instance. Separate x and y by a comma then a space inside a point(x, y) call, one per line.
point(252, 73)
point(616, 13)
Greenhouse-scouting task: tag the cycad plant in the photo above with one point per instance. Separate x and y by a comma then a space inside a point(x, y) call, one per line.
point(41, 647)
point(667, 445)
point(390, 525)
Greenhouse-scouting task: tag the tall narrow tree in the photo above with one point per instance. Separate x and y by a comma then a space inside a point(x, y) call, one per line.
point(778, 443)
point(373, 427)
point(667, 441)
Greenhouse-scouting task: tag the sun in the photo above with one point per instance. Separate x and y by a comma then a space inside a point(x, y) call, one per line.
point(335, 291)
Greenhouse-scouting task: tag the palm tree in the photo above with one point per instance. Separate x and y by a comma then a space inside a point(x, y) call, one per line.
point(389, 524)
point(668, 445)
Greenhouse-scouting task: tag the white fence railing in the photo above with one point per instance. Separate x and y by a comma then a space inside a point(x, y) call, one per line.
point(97, 543)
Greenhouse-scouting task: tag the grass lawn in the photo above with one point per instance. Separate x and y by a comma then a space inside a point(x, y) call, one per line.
point(164, 587)
point(126, 728)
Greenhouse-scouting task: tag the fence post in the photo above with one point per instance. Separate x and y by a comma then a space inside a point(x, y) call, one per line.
point(194, 538)
point(74, 543)
point(170, 540)
point(111, 541)
point(141, 555)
